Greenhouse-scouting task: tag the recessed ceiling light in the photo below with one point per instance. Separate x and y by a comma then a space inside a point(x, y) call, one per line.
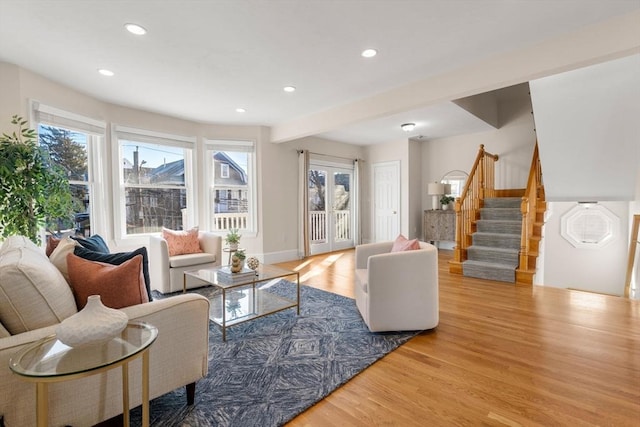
point(135, 29)
point(289, 89)
point(240, 110)
point(106, 72)
point(369, 53)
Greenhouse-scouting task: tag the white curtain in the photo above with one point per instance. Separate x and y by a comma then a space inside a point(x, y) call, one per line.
point(357, 190)
point(303, 203)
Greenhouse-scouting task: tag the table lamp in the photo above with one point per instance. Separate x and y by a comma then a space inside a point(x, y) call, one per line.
point(435, 190)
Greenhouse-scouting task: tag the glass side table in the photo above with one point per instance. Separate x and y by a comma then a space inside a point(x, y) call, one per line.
point(50, 361)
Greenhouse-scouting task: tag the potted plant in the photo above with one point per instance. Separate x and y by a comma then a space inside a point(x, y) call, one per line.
point(233, 238)
point(32, 188)
point(445, 200)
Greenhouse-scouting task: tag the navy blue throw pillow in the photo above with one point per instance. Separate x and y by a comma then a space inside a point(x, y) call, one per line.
point(94, 243)
point(117, 259)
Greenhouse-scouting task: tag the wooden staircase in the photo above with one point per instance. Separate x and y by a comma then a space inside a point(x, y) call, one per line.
point(498, 232)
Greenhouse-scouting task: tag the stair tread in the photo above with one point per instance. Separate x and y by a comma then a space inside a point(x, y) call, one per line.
point(494, 249)
point(491, 233)
point(505, 208)
point(495, 265)
point(500, 220)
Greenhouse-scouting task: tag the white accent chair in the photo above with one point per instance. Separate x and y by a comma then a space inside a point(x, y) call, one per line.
point(167, 273)
point(397, 291)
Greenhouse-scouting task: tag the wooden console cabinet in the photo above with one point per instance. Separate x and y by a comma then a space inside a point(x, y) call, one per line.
point(439, 225)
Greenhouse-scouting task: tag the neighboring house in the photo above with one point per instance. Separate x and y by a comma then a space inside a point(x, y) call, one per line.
point(230, 182)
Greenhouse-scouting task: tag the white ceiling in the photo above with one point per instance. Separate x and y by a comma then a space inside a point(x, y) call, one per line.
point(202, 59)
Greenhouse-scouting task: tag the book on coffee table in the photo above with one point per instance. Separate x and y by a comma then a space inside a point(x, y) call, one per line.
point(226, 276)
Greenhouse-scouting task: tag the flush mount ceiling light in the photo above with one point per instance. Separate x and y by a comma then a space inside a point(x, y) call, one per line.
point(369, 53)
point(240, 110)
point(289, 88)
point(408, 127)
point(106, 72)
point(135, 29)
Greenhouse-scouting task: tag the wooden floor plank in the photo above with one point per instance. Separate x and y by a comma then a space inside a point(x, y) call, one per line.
point(502, 355)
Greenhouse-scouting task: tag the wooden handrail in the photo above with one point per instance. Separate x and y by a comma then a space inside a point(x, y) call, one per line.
point(534, 194)
point(481, 184)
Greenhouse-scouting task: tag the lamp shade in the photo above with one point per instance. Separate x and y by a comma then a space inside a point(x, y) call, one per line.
point(435, 188)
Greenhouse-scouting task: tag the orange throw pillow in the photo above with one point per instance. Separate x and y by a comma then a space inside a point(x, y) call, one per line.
point(403, 244)
point(182, 242)
point(118, 285)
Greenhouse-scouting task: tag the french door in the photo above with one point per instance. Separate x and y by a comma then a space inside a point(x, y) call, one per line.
point(330, 207)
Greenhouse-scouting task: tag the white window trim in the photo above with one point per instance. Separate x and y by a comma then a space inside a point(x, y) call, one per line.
point(249, 146)
point(96, 152)
point(153, 137)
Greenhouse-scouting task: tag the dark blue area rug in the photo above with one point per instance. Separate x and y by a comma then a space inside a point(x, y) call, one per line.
point(273, 368)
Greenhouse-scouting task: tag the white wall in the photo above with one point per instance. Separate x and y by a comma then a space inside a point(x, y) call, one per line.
point(587, 121)
point(10, 98)
point(600, 269)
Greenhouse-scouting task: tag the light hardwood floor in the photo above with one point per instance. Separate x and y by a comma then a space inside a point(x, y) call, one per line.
point(502, 355)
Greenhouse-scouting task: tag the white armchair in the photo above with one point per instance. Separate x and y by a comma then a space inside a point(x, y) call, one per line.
point(167, 273)
point(397, 291)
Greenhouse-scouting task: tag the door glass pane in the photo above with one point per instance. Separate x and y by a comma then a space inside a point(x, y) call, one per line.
point(342, 206)
point(317, 206)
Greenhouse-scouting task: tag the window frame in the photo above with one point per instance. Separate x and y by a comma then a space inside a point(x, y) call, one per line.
point(188, 144)
point(95, 132)
point(226, 145)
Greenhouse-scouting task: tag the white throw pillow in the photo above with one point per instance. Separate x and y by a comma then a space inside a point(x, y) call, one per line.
point(59, 255)
point(33, 293)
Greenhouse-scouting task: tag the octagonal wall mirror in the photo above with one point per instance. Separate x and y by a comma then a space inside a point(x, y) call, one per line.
point(456, 179)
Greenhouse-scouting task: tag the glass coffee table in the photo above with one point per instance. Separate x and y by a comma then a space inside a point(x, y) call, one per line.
point(245, 299)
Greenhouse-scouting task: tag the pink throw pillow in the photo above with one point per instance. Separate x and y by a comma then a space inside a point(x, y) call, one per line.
point(403, 244)
point(182, 242)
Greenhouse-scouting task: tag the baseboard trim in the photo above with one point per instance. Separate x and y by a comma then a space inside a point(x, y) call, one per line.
point(282, 256)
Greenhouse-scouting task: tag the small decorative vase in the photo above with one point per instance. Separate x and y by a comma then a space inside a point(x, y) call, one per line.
point(233, 246)
point(445, 207)
point(93, 324)
point(253, 263)
point(236, 264)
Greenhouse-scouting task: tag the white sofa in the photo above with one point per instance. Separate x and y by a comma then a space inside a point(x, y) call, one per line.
point(397, 291)
point(179, 356)
point(167, 274)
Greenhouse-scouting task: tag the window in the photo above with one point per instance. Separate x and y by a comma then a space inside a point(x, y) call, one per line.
point(74, 143)
point(224, 170)
point(155, 182)
point(231, 183)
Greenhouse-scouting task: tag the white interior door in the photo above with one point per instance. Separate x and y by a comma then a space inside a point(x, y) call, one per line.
point(330, 208)
point(386, 201)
